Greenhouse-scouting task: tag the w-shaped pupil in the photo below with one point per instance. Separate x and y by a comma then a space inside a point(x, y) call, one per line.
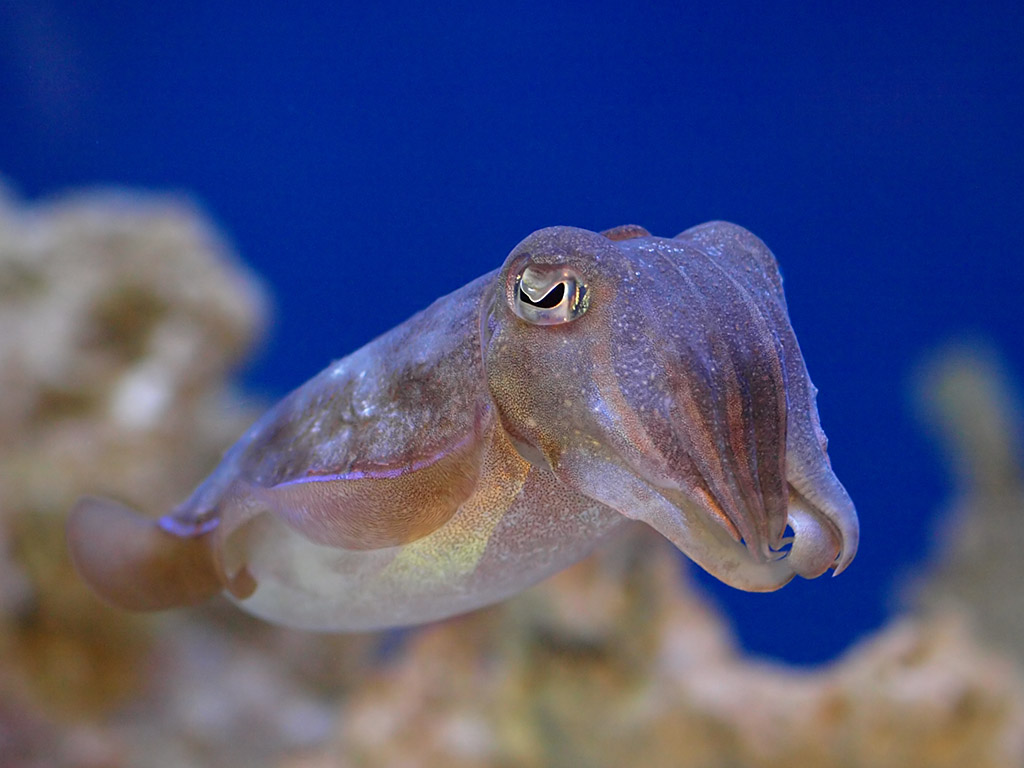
point(552, 299)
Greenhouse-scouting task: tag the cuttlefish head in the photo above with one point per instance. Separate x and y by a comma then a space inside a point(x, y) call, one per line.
point(661, 378)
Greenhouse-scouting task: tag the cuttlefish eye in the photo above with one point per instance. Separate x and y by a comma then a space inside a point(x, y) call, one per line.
point(549, 295)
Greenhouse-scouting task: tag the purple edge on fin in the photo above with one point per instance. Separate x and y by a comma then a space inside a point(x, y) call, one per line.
point(382, 474)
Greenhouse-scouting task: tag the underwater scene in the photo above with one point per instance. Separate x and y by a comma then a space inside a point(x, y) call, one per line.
point(528, 467)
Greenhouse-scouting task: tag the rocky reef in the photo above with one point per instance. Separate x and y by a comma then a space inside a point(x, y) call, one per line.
point(122, 319)
point(972, 406)
point(619, 662)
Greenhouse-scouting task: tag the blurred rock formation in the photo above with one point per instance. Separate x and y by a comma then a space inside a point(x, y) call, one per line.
point(121, 319)
point(968, 399)
point(619, 662)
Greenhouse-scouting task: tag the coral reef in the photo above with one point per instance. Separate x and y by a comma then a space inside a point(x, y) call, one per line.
point(966, 395)
point(121, 319)
point(619, 662)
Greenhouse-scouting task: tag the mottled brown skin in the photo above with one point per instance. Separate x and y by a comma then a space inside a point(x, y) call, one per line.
point(483, 444)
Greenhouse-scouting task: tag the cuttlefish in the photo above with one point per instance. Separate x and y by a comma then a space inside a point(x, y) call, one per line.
point(500, 434)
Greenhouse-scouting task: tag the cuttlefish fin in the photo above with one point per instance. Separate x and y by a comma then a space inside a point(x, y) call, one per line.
point(135, 563)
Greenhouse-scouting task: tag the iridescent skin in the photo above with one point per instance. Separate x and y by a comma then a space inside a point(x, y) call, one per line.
point(469, 452)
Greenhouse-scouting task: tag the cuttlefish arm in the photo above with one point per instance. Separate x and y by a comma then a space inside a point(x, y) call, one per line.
point(675, 394)
point(820, 510)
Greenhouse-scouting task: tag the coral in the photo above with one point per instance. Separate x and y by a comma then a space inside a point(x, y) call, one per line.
point(121, 319)
point(966, 395)
point(619, 662)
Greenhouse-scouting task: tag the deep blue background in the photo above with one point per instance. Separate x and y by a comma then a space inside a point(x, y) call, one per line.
point(368, 159)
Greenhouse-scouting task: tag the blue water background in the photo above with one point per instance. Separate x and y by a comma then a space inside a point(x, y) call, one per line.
point(368, 158)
